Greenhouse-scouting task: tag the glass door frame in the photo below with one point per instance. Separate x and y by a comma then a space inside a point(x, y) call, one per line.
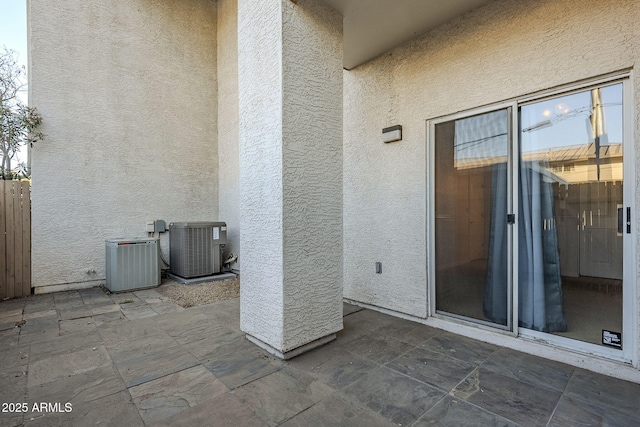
point(629, 352)
point(512, 297)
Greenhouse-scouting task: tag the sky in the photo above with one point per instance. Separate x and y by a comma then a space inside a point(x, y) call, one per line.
point(13, 35)
point(13, 27)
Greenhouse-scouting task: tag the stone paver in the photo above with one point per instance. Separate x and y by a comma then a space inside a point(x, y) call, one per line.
point(338, 411)
point(146, 359)
point(396, 397)
point(509, 398)
point(168, 395)
point(81, 387)
point(67, 365)
point(243, 367)
point(296, 392)
point(136, 359)
point(452, 412)
point(437, 369)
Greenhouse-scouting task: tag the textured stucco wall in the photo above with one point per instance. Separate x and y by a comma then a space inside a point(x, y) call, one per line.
point(127, 91)
point(260, 158)
point(312, 171)
point(290, 98)
point(506, 49)
point(228, 162)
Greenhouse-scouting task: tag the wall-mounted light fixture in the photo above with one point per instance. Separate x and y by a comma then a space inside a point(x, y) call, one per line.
point(392, 134)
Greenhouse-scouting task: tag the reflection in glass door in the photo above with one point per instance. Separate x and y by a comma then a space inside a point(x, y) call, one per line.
point(470, 183)
point(571, 224)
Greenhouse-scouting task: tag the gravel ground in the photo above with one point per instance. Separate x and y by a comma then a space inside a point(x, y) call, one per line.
point(201, 293)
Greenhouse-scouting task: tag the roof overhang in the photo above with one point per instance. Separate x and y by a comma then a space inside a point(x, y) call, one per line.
point(372, 27)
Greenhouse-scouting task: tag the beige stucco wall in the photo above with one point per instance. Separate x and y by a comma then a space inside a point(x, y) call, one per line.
point(312, 171)
point(260, 157)
point(290, 138)
point(228, 161)
point(127, 91)
point(506, 49)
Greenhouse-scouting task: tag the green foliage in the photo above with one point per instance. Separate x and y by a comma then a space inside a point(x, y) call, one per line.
point(18, 122)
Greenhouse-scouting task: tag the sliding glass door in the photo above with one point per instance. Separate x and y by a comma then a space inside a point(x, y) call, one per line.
point(534, 221)
point(471, 258)
point(571, 165)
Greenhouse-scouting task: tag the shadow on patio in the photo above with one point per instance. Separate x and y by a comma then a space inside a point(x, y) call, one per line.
point(138, 359)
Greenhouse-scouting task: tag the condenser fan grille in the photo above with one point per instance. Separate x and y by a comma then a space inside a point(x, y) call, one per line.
point(195, 248)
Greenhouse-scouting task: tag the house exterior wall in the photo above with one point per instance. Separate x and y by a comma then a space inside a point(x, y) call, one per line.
point(312, 175)
point(503, 50)
point(228, 160)
point(127, 91)
point(290, 137)
point(260, 157)
point(144, 105)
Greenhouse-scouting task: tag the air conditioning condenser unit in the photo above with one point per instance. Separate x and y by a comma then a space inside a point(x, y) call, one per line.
point(132, 264)
point(194, 248)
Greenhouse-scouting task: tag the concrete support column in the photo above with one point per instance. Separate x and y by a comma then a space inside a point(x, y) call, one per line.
point(290, 150)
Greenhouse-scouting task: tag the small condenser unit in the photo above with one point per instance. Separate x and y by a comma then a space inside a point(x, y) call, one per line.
point(132, 264)
point(194, 248)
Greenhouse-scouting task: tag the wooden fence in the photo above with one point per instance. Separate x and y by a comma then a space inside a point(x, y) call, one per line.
point(15, 239)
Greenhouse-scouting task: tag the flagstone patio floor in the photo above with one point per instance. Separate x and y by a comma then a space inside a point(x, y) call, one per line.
point(88, 358)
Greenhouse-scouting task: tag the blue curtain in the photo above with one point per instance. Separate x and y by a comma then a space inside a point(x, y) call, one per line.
point(539, 283)
point(483, 140)
point(496, 292)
